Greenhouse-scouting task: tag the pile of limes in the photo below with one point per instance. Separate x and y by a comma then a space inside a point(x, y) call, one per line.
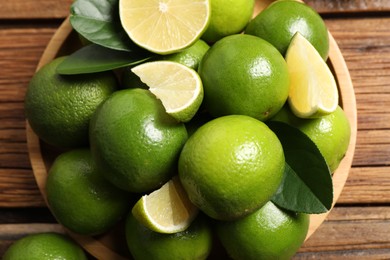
point(179, 145)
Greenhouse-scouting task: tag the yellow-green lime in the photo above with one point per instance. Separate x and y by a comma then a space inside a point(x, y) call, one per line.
point(193, 243)
point(231, 166)
point(134, 142)
point(44, 246)
point(243, 74)
point(164, 27)
point(178, 87)
point(59, 108)
point(228, 17)
point(80, 198)
point(166, 210)
point(268, 233)
point(279, 22)
point(331, 133)
point(313, 89)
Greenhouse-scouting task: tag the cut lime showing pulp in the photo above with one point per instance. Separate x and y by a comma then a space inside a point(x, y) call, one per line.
point(164, 26)
point(166, 210)
point(313, 89)
point(178, 87)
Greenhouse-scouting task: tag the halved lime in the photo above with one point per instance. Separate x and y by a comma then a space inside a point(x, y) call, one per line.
point(178, 87)
point(162, 26)
point(167, 210)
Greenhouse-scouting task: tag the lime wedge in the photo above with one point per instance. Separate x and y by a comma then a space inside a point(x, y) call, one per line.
point(167, 210)
point(313, 89)
point(178, 87)
point(164, 27)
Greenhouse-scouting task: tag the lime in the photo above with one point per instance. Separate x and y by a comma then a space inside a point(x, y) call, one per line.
point(313, 89)
point(166, 210)
point(231, 166)
point(268, 233)
point(331, 133)
point(80, 198)
point(59, 108)
point(44, 246)
point(227, 18)
point(134, 142)
point(243, 74)
point(164, 27)
point(279, 22)
point(190, 56)
point(178, 87)
point(193, 243)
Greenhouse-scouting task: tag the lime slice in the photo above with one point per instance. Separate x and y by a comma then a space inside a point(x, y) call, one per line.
point(166, 210)
point(162, 26)
point(313, 89)
point(178, 87)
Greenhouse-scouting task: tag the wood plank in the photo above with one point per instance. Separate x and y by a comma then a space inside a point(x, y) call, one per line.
point(349, 6)
point(367, 186)
point(333, 239)
point(29, 9)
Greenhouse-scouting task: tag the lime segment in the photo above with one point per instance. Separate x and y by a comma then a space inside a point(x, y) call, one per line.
point(166, 210)
point(164, 26)
point(313, 89)
point(178, 87)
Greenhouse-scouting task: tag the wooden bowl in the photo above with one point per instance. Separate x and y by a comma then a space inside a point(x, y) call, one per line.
point(112, 245)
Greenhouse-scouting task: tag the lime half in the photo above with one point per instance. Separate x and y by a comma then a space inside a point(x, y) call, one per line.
point(164, 26)
point(167, 210)
point(178, 87)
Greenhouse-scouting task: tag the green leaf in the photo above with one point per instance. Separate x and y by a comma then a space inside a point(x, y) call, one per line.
point(307, 182)
point(94, 58)
point(98, 21)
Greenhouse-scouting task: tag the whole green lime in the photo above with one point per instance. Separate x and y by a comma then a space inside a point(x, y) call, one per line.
point(268, 233)
point(80, 198)
point(279, 22)
point(134, 142)
point(231, 166)
point(243, 74)
point(44, 246)
point(189, 57)
point(228, 17)
point(193, 243)
point(59, 107)
point(331, 133)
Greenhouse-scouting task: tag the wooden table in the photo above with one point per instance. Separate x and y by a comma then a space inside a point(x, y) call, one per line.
point(357, 228)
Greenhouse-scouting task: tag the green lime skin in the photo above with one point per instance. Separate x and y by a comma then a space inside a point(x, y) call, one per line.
point(231, 166)
point(134, 142)
point(44, 246)
point(331, 133)
point(279, 22)
point(245, 75)
point(59, 107)
point(268, 233)
point(193, 243)
point(80, 198)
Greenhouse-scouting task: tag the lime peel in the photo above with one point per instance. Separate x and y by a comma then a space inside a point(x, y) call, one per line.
point(166, 210)
point(178, 87)
point(313, 88)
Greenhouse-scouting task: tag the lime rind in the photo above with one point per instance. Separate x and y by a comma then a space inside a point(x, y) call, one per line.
point(313, 88)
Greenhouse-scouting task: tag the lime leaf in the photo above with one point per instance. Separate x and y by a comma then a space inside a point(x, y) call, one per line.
point(307, 183)
point(98, 21)
point(94, 58)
